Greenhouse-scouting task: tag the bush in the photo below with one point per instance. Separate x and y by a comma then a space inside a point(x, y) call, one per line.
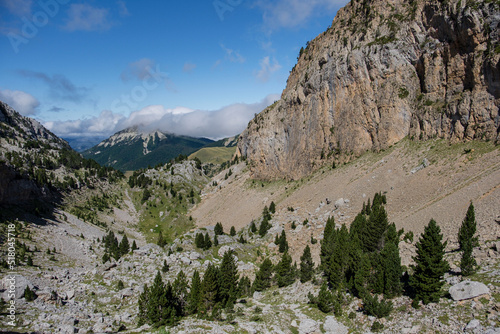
point(372, 306)
point(377, 327)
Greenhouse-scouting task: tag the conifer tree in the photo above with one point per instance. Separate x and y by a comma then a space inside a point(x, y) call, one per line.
point(430, 265)
point(338, 264)
point(210, 289)
point(134, 246)
point(165, 267)
point(143, 306)
point(327, 244)
point(284, 271)
point(232, 231)
point(263, 276)
point(124, 246)
point(467, 241)
point(362, 275)
point(180, 288)
point(208, 242)
point(244, 286)
point(194, 297)
point(199, 241)
point(216, 240)
point(392, 270)
point(306, 265)
point(253, 227)
point(161, 241)
point(228, 278)
point(282, 242)
point(325, 299)
point(272, 208)
point(218, 230)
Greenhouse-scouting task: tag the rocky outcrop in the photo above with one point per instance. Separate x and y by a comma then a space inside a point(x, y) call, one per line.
point(468, 290)
point(381, 72)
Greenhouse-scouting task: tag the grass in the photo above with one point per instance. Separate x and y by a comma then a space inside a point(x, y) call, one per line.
point(214, 155)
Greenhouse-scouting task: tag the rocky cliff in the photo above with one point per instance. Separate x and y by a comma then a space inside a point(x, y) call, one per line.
point(384, 70)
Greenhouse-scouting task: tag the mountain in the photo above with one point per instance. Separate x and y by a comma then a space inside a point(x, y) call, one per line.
point(217, 152)
point(83, 143)
point(382, 72)
point(131, 149)
point(36, 165)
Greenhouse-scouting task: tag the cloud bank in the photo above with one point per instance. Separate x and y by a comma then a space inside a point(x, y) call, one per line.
point(215, 124)
point(22, 102)
point(293, 13)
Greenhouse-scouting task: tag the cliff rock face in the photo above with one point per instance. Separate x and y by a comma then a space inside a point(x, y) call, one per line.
point(384, 70)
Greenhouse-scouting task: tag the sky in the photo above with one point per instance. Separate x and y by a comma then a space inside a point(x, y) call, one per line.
point(193, 67)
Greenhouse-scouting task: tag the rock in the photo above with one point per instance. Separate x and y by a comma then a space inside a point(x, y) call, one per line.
point(224, 249)
point(468, 290)
point(340, 203)
point(331, 326)
point(493, 331)
point(473, 326)
point(195, 256)
point(452, 280)
point(365, 96)
point(70, 294)
point(308, 326)
point(15, 284)
point(257, 295)
point(127, 292)
point(67, 329)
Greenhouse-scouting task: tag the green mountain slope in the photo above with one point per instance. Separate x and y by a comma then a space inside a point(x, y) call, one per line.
point(132, 150)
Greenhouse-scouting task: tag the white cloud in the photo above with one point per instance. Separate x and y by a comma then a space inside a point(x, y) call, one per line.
point(293, 13)
point(232, 55)
point(139, 70)
point(122, 8)
point(84, 17)
point(18, 7)
point(188, 67)
point(22, 102)
point(267, 68)
point(224, 122)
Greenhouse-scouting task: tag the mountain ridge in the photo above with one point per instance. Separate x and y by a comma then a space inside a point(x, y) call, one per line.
point(382, 72)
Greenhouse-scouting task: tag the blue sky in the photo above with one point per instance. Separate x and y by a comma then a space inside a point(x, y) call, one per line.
point(200, 68)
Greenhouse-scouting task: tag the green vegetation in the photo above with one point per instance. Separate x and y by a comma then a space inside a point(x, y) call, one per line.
point(430, 265)
point(214, 155)
point(467, 242)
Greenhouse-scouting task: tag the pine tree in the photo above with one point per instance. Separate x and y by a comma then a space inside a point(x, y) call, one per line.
point(29, 261)
point(228, 279)
point(325, 299)
point(244, 286)
point(216, 241)
point(143, 306)
point(199, 241)
point(263, 276)
point(468, 228)
point(306, 265)
point(282, 242)
point(232, 231)
point(29, 295)
point(253, 228)
point(338, 263)
point(161, 241)
point(392, 270)
point(165, 267)
point(467, 241)
point(327, 245)
point(210, 289)
point(134, 246)
point(124, 246)
point(218, 230)
point(208, 242)
point(272, 208)
point(285, 275)
point(194, 294)
point(430, 265)
point(362, 275)
point(180, 289)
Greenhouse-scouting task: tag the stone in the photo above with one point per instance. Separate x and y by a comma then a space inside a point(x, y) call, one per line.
point(308, 326)
point(332, 326)
point(473, 325)
point(68, 329)
point(15, 284)
point(224, 249)
point(70, 294)
point(467, 290)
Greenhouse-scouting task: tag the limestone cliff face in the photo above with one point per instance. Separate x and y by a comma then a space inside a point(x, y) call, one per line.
point(384, 70)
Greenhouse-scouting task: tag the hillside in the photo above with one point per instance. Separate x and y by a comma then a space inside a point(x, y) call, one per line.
point(131, 149)
point(382, 72)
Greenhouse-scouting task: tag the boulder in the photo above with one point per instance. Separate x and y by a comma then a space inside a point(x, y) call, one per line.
point(473, 326)
point(332, 326)
point(224, 249)
point(308, 326)
point(468, 290)
point(15, 284)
